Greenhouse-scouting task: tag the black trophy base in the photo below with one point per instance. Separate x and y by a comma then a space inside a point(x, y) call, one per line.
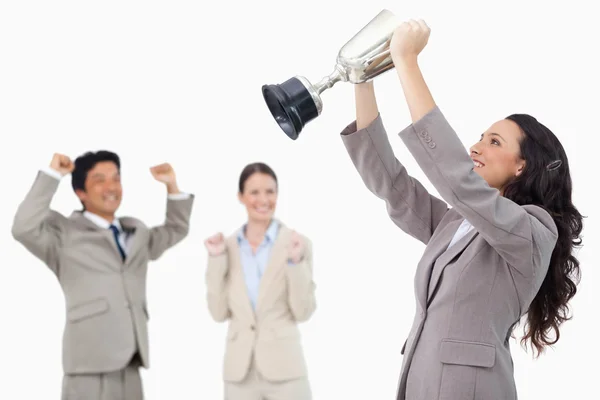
point(291, 105)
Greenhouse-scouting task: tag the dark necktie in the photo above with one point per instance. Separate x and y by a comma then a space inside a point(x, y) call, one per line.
point(115, 231)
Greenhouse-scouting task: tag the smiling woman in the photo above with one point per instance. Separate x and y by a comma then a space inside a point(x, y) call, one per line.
point(499, 240)
point(497, 156)
point(260, 280)
point(258, 192)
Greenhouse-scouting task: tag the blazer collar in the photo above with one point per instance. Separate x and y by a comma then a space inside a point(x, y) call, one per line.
point(277, 259)
point(437, 256)
point(448, 254)
point(270, 234)
point(127, 224)
point(90, 221)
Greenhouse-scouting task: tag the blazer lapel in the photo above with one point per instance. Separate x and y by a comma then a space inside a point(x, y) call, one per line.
point(277, 258)
point(88, 226)
point(237, 280)
point(448, 255)
point(435, 248)
point(82, 222)
point(135, 243)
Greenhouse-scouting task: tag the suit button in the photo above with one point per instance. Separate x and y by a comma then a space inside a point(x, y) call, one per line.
point(431, 145)
point(251, 327)
point(423, 134)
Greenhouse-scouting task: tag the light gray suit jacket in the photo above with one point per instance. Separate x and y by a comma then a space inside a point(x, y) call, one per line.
point(470, 296)
point(105, 298)
point(269, 335)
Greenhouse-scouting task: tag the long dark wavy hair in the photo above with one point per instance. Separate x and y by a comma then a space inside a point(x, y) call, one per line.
point(546, 182)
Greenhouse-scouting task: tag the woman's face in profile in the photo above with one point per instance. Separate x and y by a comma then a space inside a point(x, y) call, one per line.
point(496, 156)
point(259, 196)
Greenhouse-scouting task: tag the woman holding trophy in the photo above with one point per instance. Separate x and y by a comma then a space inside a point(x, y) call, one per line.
point(260, 280)
point(499, 242)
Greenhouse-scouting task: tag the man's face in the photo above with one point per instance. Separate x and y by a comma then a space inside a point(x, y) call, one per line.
point(103, 191)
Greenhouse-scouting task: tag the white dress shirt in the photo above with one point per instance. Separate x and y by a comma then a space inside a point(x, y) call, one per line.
point(464, 228)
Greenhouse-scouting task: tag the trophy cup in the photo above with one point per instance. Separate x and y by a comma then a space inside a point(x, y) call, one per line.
point(296, 101)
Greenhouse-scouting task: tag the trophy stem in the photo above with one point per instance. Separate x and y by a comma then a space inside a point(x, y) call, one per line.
point(330, 80)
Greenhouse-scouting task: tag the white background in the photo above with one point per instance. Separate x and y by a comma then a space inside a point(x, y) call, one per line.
point(180, 82)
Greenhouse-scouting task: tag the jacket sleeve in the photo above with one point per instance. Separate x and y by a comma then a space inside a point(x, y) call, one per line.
point(524, 236)
point(301, 286)
point(217, 287)
point(174, 229)
point(408, 203)
point(38, 228)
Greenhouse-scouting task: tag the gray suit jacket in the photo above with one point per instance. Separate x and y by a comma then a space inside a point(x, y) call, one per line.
point(470, 296)
point(270, 334)
point(105, 298)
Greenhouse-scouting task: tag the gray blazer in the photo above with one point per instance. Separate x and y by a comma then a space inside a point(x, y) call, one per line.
point(105, 297)
point(470, 296)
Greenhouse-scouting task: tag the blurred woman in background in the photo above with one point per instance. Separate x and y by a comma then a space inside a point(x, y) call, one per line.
point(260, 280)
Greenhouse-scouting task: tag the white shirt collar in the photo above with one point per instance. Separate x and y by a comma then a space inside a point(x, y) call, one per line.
point(270, 234)
point(101, 222)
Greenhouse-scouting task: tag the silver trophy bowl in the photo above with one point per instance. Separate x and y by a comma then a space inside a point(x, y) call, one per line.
point(296, 101)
